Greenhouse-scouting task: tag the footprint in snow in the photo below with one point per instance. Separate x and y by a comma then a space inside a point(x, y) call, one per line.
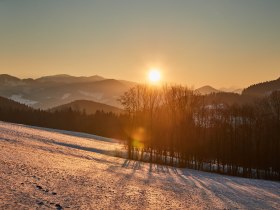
point(40, 203)
point(58, 206)
point(46, 190)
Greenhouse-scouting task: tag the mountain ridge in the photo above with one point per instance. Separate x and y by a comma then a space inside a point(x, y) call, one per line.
point(87, 106)
point(262, 89)
point(51, 91)
point(207, 89)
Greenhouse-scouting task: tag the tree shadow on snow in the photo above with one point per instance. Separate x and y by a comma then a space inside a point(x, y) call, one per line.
point(233, 191)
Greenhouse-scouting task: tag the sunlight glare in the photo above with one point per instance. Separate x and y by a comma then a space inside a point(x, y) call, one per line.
point(154, 75)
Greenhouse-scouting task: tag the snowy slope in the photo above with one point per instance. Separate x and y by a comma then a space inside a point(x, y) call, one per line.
point(45, 168)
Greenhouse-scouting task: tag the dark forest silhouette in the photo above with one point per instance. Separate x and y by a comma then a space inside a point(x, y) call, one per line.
point(100, 123)
point(173, 125)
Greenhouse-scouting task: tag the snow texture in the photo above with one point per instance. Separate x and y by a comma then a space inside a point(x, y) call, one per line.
point(44, 168)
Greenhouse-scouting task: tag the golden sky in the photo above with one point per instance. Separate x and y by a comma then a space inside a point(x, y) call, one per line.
point(194, 42)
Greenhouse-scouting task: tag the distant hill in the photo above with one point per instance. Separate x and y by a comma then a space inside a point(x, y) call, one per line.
point(231, 90)
point(90, 107)
point(6, 104)
point(6, 79)
point(51, 91)
point(206, 90)
point(262, 89)
point(64, 78)
point(248, 95)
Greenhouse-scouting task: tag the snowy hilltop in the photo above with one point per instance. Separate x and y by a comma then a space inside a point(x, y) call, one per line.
point(45, 168)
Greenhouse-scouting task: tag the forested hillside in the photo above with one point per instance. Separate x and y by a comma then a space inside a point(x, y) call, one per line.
point(88, 107)
point(262, 89)
point(173, 125)
point(100, 123)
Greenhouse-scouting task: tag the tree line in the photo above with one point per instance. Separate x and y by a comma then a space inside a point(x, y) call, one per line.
point(101, 123)
point(173, 125)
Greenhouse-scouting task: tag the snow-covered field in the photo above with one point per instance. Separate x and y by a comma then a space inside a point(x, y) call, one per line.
point(44, 168)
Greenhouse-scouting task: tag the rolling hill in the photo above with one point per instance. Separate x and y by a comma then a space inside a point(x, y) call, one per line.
point(6, 103)
point(90, 107)
point(239, 96)
point(64, 78)
point(52, 91)
point(206, 90)
point(262, 89)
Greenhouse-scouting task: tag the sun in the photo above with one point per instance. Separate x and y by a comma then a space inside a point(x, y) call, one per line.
point(154, 75)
